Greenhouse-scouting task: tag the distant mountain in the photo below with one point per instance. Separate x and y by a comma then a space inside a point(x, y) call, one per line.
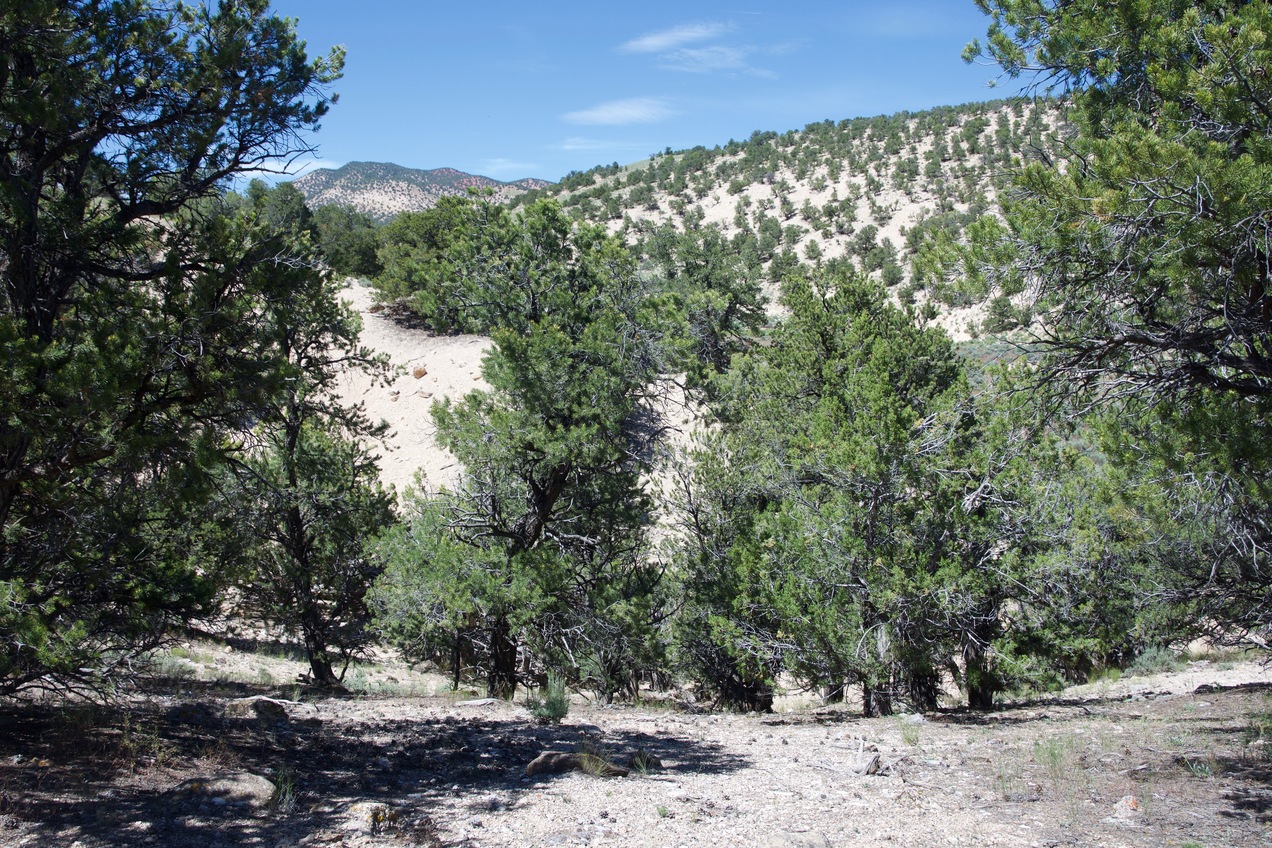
point(382, 189)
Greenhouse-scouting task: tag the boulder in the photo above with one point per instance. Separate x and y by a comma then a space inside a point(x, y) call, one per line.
point(257, 706)
point(240, 788)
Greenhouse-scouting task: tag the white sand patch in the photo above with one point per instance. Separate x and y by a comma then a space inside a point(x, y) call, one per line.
point(452, 368)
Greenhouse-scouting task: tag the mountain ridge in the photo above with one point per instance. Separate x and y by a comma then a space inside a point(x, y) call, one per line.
point(384, 189)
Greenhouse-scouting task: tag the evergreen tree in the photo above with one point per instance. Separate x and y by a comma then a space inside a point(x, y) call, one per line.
point(551, 501)
point(1147, 243)
point(128, 313)
point(307, 496)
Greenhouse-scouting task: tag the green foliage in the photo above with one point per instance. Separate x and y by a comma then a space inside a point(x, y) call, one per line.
point(295, 512)
point(555, 704)
point(127, 312)
point(1145, 240)
point(348, 240)
point(714, 292)
point(844, 524)
point(551, 501)
point(1154, 660)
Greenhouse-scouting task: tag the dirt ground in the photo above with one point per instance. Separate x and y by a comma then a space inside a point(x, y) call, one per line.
point(1182, 759)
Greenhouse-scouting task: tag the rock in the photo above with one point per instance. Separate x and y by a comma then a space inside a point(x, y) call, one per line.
point(370, 817)
point(558, 762)
point(553, 762)
point(242, 788)
point(479, 702)
point(1127, 807)
point(276, 709)
point(419, 372)
point(257, 706)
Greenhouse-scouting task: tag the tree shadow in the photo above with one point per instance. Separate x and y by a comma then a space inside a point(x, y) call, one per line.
point(106, 776)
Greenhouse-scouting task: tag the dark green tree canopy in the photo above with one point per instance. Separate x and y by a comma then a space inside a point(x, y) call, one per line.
point(1149, 244)
point(129, 305)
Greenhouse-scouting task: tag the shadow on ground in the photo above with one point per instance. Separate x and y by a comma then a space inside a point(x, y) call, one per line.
point(104, 776)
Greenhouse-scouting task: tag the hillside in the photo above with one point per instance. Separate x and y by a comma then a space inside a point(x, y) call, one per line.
point(881, 193)
point(382, 190)
point(870, 191)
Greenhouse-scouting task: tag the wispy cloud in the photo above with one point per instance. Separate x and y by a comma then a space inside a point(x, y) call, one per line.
point(580, 143)
point(670, 39)
point(699, 48)
point(705, 60)
point(503, 167)
point(633, 110)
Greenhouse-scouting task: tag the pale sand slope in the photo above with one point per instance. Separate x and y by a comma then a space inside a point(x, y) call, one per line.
point(453, 366)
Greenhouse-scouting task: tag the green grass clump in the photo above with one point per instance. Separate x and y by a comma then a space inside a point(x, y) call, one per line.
point(555, 704)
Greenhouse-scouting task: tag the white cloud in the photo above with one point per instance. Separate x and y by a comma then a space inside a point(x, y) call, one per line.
point(491, 167)
point(697, 49)
point(669, 39)
point(701, 60)
point(634, 110)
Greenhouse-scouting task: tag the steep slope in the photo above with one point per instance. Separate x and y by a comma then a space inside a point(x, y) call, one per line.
point(883, 193)
point(382, 190)
point(871, 191)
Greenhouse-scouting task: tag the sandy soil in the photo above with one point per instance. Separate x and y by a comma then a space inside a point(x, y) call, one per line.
point(1176, 760)
point(448, 366)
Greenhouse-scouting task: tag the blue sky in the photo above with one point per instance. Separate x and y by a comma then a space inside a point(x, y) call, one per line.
point(516, 89)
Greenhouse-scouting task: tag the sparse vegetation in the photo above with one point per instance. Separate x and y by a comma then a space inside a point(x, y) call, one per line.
point(555, 704)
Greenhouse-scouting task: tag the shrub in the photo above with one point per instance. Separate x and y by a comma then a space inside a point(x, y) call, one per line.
point(555, 704)
point(1153, 660)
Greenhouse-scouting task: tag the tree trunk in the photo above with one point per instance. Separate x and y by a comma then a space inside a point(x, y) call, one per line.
point(923, 686)
point(876, 700)
point(502, 678)
point(319, 660)
point(457, 658)
point(980, 681)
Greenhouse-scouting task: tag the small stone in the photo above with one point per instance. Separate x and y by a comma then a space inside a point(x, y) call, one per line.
point(258, 706)
point(1127, 807)
point(419, 372)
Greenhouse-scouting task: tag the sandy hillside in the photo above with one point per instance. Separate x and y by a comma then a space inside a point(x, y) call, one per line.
point(447, 366)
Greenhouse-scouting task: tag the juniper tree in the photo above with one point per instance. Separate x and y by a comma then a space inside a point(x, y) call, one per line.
point(128, 315)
